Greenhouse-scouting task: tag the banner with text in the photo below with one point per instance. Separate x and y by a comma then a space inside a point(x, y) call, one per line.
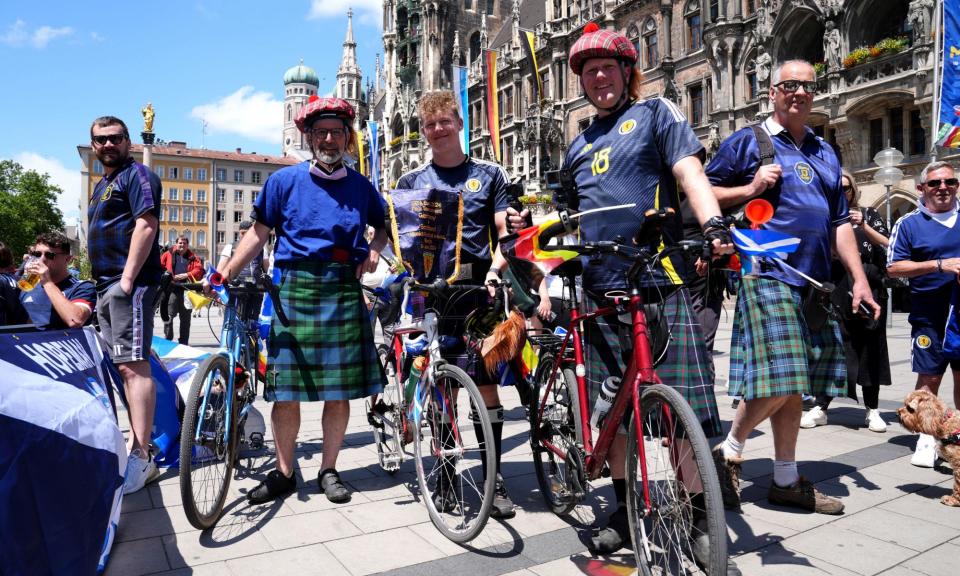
point(949, 132)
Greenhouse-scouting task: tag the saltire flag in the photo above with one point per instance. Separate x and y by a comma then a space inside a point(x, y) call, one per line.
point(764, 242)
point(361, 155)
point(493, 108)
point(374, 154)
point(460, 89)
point(529, 47)
point(948, 135)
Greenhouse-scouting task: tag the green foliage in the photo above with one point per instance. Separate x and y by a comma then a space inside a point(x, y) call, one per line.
point(820, 68)
point(528, 199)
point(885, 46)
point(413, 136)
point(81, 262)
point(28, 206)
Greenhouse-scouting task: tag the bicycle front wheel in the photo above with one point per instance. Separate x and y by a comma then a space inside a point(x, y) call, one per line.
point(683, 531)
point(455, 467)
point(206, 454)
point(389, 420)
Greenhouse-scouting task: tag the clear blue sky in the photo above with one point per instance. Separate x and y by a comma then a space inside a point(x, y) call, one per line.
point(63, 63)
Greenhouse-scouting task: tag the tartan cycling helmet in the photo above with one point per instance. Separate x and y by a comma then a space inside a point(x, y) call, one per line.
point(318, 108)
point(601, 43)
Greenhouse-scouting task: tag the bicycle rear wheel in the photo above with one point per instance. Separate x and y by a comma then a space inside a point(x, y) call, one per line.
point(684, 530)
point(560, 477)
point(387, 416)
point(206, 457)
point(455, 470)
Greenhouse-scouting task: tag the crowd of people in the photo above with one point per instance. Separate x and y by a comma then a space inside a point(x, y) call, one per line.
point(641, 151)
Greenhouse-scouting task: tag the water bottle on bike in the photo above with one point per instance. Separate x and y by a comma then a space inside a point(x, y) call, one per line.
point(604, 400)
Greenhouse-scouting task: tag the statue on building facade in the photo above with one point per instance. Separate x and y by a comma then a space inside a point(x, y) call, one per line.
point(832, 52)
point(919, 14)
point(764, 24)
point(148, 114)
point(763, 65)
point(713, 140)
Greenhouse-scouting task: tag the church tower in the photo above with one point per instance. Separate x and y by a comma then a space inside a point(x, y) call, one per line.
point(299, 83)
point(349, 77)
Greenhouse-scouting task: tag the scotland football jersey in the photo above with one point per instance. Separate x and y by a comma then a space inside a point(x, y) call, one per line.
point(627, 157)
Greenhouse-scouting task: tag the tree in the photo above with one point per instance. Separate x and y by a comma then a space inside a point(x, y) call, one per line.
point(28, 206)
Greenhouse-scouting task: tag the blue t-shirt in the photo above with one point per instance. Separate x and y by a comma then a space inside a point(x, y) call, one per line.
point(920, 238)
point(808, 201)
point(38, 305)
point(312, 216)
point(133, 190)
point(11, 311)
point(484, 188)
point(628, 157)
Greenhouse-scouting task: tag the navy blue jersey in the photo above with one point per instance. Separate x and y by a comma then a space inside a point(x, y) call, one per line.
point(808, 201)
point(311, 216)
point(38, 305)
point(484, 188)
point(11, 311)
point(130, 192)
point(623, 158)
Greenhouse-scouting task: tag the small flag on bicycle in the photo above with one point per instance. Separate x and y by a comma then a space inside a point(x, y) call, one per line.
point(525, 245)
point(765, 242)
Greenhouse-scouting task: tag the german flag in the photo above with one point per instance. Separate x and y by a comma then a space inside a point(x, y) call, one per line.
point(529, 48)
point(493, 109)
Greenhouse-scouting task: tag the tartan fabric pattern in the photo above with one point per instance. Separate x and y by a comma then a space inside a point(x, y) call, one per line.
point(601, 44)
point(685, 366)
point(327, 352)
point(774, 353)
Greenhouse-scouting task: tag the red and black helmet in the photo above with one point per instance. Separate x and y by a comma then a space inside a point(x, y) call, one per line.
point(601, 43)
point(318, 108)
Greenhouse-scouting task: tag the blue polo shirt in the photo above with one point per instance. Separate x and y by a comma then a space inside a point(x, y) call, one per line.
point(38, 305)
point(919, 237)
point(628, 157)
point(808, 200)
point(133, 190)
point(313, 216)
point(483, 186)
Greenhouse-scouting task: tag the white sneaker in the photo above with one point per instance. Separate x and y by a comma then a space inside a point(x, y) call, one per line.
point(874, 422)
point(926, 453)
point(140, 472)
point(813, 418)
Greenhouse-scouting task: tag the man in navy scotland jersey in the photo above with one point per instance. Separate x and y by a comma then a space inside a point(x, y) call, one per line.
point(775, 355)
point(59, 300)
point(484, 188)
point(122, 243)
point(925, 247)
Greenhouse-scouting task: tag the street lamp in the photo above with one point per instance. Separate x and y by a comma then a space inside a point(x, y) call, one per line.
point(888, 175)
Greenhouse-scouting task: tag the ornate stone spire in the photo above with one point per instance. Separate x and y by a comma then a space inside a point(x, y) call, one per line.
point(348, 63)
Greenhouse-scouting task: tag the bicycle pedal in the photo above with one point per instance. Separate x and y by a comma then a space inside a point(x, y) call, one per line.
point(256, 440)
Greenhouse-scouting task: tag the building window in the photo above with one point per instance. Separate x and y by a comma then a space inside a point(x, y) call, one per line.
point(188, 173)
point(583, 124)
point(633, 33)
point(201, 238)
point(174, 173)
point(696, 105)
point(159, 171)
point(187, 195)
point(896, 128)
point(237, 216)
point(174, 194)
point(163, 214)
point(97, 167)
point(255, 177)
point(171, 236)
point(750, 7)
point(289, 113)
point(561, 69)
point(201, 174)
point(253, 196)
point(221, 216)
point(236, 237)
point(918, 137)
point(187, 214)
point(651, 53)
point(238, 196)
point(714, 10)
point(694, 31)
point(174, 214)
point(188, 235)
point(221, 237)
point(201, 195)
point(221, 195)
point(876, 136)
point(221, 174)
point(238, 175)
point(753, 87)
point(202, 215)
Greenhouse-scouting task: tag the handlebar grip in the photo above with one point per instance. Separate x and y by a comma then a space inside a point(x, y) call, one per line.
point(564, 226)
point(195, 286)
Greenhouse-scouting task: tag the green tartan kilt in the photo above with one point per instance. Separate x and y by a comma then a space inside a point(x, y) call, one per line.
point(774, 353)
point(685, 366)
point(328, 351)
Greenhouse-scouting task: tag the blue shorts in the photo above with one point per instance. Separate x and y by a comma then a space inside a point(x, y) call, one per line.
point(926, 344)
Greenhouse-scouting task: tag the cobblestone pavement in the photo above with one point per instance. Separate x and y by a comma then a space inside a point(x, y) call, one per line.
point(894, 523)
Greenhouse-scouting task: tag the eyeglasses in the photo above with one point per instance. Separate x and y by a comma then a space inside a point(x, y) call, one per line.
point(809, 86)
point(115, 139)
point(322, 134)
point(950, 182)
point(847, 187)
point(49, 255)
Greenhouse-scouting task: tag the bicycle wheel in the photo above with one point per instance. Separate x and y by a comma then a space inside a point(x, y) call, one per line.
point(560, 477)
point(684, 530)
point(455, 470)
point(387, 416)
point(206, 459)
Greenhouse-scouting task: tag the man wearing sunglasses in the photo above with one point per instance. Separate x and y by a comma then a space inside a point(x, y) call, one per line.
point(59, 300)
point(925, 247)
point(778, 353)
point(124, 253)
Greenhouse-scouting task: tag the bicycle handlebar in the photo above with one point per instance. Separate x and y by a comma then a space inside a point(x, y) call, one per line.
point(262, 284)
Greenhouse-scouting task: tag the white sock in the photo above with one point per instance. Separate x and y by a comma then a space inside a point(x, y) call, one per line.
point(731, 448)
point(785, 473)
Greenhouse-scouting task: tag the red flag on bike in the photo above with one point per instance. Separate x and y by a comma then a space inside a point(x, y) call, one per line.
point(525, 245)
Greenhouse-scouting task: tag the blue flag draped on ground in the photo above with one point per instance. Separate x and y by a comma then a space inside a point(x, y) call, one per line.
point(62, 456)
point(948, 134)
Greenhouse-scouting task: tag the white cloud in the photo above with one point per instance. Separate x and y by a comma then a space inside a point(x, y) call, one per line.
point(18, 34)
point(67, 179)
point(96, 37)
point(254, 115)
point(366, 11)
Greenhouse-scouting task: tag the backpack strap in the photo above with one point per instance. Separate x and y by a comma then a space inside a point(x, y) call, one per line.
point(765, 144)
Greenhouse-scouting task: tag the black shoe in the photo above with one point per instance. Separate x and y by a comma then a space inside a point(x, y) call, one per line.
point(332, 487)
point(275, 486)
point(612, 537)
point(809, 402)
point(444, 499)
point(502, 504)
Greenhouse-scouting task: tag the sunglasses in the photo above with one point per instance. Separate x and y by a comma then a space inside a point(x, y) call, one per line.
point(950, 182)
point(48, 255)
point(809, 86)
point(115, 139)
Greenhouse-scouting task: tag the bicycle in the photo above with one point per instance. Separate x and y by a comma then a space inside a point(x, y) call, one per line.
point(212, 434)
point(669, 464)
point(455, 470)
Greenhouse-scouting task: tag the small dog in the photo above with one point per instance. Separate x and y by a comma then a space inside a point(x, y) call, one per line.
point(925, 413)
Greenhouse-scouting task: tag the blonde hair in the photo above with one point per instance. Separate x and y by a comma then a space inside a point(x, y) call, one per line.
point(855, 202)
point(438, 102)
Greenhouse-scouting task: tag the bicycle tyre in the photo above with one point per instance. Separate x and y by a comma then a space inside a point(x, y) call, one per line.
point(672, 519)
point(390, 440)
point(560, 426)
point(473, 514)
point(214, 451)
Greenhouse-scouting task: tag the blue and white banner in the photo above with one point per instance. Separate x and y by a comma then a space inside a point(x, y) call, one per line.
point(460, 89)
point(62, 457)
point(948, 131)
point(374, 154)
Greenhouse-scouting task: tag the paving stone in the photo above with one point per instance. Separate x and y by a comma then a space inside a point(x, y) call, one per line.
point(303, 561)
point(137, 557)
point(941, 561)
point(776, 560)
point(371, 553)
point(215, 569)
point(219, 543)
point(305, 529)
point(580, 564)
point(850, 550)
point(906, 531)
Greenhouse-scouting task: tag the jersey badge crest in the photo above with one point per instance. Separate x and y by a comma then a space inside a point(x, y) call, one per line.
point(107, 193)
point(804, 172)
point(473, 185)
point(627, 127)
point(923, 342)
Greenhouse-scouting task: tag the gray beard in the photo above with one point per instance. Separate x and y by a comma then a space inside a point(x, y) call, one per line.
point(329, 159)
